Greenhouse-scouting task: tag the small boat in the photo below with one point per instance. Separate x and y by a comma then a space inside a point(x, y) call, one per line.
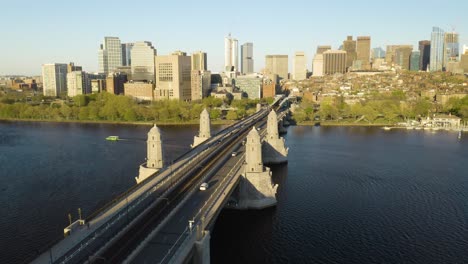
point(459, 134)
point(112, 138)
point(386, 128)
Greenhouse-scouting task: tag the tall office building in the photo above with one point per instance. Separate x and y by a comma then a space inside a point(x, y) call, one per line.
point(173, 77)
point(300, 69)
point(247, 63)
point(200, 84)
point(71, 67)
point(451, 47)
point(378, 53)
point(277, 64)
point(54, 79)
point(425, 54)
point(127, 54)
point(334, 61)
point(199, 61)
point(363, 45)
point(317, 65)
point(402, 56)
point(465, 49)
point(349, 45)
point(78, 83)
point(142, 56)
point(110, 55)
point(231, 56)
point(437, 49)
point(322, 48)
point(415, 60)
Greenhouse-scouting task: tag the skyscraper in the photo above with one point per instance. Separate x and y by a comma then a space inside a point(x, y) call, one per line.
point(300, 70)
point(54, 79)
point(437, 49)
point(402, 56)
point(277, 64)
point(142, 56)
point(349, 45)
point(173, 74)
point(317, 68)
point(451, 47)
point(425, 54)
point(363, 45)
point(378, 53)
point(334, 61)
point(415, 60)
point(110, 55)
point(231, 56)
point(126, 54)
point(321, 49)
point(200, 84)
point(199, 61)
point(247, 63)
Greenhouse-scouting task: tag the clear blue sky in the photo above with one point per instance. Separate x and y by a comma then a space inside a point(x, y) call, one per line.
point(37, 32)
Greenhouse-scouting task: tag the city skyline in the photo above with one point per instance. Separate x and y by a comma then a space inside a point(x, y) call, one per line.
point(285, 36)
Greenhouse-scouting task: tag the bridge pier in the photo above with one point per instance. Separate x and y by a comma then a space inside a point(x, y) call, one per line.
point(256, 190)
point(273, 149)
point(205, 129)
point(154, 161)
point(202, 248)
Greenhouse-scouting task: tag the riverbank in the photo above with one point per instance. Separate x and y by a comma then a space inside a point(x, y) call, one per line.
point(345, 123)
point(144, 123)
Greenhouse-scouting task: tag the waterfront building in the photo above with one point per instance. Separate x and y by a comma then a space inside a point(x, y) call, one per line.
point(437, 49)
point(78, 83)
point(277, 64)
point(200, 84)
point(425, 54)
point(142, 56)
point(199, 61)
point(127, 54)
point(334, 61)
point(231, 57)
point(141, 91)
point(464, 62)
point(269, 88)
point(54, 79)
point(173, 77)
point(415, 59)
point(110, 55)
point(300, 67)
point(363, 45)
point(251, 85)
point(247, 62)
point(115, 82)
point(349, 45)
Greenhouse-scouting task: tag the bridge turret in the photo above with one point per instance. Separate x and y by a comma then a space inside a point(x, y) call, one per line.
point(274, 150)
point(155, 154)
point(253, 152)
point(205, 129)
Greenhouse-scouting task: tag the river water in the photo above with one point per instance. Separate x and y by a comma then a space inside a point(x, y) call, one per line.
point(347, 195)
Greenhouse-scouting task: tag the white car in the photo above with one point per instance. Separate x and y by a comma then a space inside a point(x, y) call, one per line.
point(234, 154)
point(203, 186)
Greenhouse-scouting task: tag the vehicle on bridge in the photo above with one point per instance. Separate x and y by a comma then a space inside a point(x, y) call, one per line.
point(204, 186)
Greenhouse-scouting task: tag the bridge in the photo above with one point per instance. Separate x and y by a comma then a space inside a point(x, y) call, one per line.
point(165, 218)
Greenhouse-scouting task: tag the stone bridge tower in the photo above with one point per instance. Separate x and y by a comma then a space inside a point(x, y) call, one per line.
point(256, 190)
point(273, 149)
point(154, 160)
point(205, 129)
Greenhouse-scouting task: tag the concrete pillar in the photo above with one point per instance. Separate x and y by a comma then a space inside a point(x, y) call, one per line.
point(154, 160)
point(274, 150)
point(202, 249)
point(256, 190)
point(205, 129)
point(155, 153)
point(259, 107)
point(253, 152)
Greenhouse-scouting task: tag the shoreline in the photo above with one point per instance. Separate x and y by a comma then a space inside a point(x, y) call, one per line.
point(346, 124)
point(106, 122)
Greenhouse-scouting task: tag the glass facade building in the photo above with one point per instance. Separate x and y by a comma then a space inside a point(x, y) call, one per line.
point(436, 60)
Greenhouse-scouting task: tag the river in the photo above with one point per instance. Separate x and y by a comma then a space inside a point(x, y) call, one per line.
point(347, 195)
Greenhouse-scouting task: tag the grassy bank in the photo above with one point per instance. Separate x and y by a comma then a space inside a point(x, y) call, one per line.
point(175, 123)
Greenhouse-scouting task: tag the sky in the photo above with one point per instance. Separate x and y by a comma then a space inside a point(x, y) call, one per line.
point(52, 31)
